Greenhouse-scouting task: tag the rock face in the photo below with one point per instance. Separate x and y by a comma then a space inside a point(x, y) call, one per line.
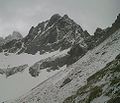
point(13, 70)
point(10, 71)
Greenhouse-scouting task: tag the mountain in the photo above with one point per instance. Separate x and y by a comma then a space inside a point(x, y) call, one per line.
point(74, 67)
point(59, 32)
point(56, 33)
point(15, 35)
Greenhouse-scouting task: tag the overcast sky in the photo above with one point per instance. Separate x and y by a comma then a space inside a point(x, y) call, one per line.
point(20, 15)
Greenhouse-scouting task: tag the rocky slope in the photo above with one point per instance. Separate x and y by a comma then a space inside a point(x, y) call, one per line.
point(98, 50)
point(102, 87)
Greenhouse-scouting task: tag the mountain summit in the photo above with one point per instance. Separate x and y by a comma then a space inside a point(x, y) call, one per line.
point(14, 36)
point(56, 33)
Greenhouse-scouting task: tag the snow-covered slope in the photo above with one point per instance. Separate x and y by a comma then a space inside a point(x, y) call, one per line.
point(14, 60)
point(66, 82)
point(22, 82)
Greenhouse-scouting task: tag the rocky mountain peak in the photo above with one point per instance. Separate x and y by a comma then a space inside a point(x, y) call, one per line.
point(54, 19)
point(15, 35)
point(65, 16)
point(48, 23)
